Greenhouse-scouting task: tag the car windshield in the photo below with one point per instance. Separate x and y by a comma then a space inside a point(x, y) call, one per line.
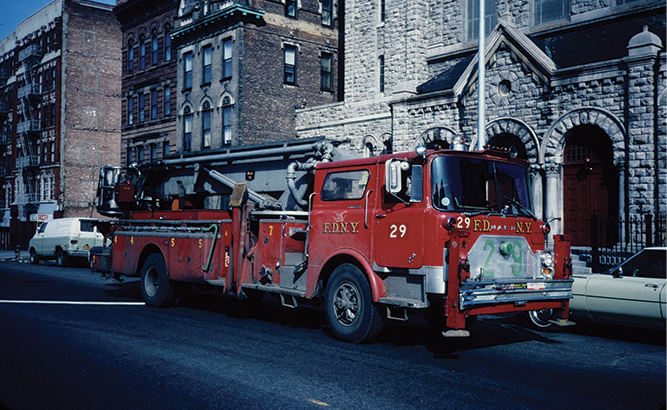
point(650, 263)
point(479, 186)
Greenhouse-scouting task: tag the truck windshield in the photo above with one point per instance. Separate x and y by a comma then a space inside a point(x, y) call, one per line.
point(479, 186)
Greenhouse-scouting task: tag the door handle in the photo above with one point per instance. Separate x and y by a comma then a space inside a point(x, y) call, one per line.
point(380, 216)
point(651, 285)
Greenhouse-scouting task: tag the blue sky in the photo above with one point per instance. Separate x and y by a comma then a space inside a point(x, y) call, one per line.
point(14, 11)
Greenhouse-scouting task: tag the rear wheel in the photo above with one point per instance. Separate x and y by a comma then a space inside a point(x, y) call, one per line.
point(155, 287)
point(34, 259)
point(61, 258)
point(540, 319)
point(350, 311)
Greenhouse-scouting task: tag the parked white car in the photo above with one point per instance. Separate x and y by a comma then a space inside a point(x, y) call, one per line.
point(61, 239)
point(633, 293)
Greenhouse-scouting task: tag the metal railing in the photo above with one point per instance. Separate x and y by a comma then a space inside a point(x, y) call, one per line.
point(28, 126)
point(613, 240)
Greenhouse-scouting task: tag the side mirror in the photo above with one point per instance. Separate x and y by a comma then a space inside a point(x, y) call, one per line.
point(392, 175)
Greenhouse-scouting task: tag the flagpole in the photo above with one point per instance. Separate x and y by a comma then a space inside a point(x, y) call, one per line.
point(481, 80)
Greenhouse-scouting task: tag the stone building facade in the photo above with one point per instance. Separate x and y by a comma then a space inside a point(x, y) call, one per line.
point(59, 114)
point(148, 79)
point(578, 90)
point(245, 66)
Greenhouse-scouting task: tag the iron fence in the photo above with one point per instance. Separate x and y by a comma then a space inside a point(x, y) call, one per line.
point(613, 240)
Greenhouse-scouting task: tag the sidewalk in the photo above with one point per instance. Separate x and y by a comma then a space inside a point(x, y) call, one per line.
point(8, 255)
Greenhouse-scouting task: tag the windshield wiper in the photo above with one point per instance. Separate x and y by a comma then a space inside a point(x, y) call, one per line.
point(519, 206)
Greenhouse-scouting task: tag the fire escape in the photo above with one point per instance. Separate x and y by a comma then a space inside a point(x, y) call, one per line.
point(5, 133)
point(28, 129)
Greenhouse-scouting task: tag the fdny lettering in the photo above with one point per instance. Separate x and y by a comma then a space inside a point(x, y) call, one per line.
point(341, 227)
point(485, 226)
point(524, 227)
point(481, 226)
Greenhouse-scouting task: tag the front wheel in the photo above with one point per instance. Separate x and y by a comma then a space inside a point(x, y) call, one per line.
point(34, 259)
point(350, 312)
point(155, 287)
point(540, 319)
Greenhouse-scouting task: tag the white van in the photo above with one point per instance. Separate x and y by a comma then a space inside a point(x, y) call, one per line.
point(61, 239)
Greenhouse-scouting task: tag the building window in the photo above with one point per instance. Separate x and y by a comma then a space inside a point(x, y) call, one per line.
point(167, 43)
point(165, 149)
point(154, 49)
point(290, 65)
point(326, 70)
point(153, 104)
point(551, 10)
point(167, 102)
point(383, 9)
point(152, 152)
point(187, 129)
point(187, 71)
point(327, 15)
point(53, 78)
point(490, 18)
point(291, 8)
point(227, 59)
point(130, 155)
point(53, 153)
point(381, 73)
point(130, 57)
point(227, 124)
point(207, 54)
point(140, 153)
point(130, 110)
point(206, 125)
point(142, 107)
point(142, 55)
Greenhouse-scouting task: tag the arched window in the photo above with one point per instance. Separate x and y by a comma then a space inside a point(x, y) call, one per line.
point(206, 125)
point(142, 53)
point(187, 129)
point(130, 56)
point(154, 47)
point(226, 120)
point(167, 42)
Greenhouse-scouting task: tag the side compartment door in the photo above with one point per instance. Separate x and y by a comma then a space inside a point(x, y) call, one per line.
point(398, 227)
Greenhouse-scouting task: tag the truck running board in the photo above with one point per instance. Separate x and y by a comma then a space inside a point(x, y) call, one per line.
point(290, 303)
point(451, 333)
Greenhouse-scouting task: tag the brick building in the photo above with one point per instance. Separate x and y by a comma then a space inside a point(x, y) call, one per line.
point(148, 79)
point(59, 113)
point(574, 86)
point(245, 66)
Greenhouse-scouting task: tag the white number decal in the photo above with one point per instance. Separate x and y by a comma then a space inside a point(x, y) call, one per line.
point(395, 231)
point(460, 221)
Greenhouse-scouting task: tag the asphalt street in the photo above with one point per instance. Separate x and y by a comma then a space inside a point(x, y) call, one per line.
point(73, 340)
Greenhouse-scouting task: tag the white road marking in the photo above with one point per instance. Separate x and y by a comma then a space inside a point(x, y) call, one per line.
point(70, 302)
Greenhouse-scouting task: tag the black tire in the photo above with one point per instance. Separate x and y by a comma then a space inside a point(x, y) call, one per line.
point(539, 319)
point(34, 259)
point(62, 259)
point(350, 312)
point(156, 289)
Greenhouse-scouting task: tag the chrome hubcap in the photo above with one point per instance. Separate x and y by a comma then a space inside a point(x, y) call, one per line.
point(151, 282)
point(346, 303)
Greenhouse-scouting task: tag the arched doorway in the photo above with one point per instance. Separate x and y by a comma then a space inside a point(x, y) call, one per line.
point(590, 186)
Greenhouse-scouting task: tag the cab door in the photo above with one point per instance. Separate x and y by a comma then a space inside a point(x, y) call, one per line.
point(398, 223)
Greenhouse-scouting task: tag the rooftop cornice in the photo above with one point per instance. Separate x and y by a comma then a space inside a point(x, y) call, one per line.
point(233, 10)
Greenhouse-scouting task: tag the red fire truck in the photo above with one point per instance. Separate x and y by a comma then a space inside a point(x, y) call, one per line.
point(446, 232)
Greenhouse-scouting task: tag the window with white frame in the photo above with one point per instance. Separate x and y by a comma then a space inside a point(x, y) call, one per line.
point(326, 72)
point(227, 59)
point(187, 71)
point(207, 59)
point(327, 13)
point(290, 65)
point(187, 129)
point(206, 125)
point(226, 121)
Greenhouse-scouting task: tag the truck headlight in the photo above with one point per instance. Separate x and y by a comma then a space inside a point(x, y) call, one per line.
point(547, 264)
